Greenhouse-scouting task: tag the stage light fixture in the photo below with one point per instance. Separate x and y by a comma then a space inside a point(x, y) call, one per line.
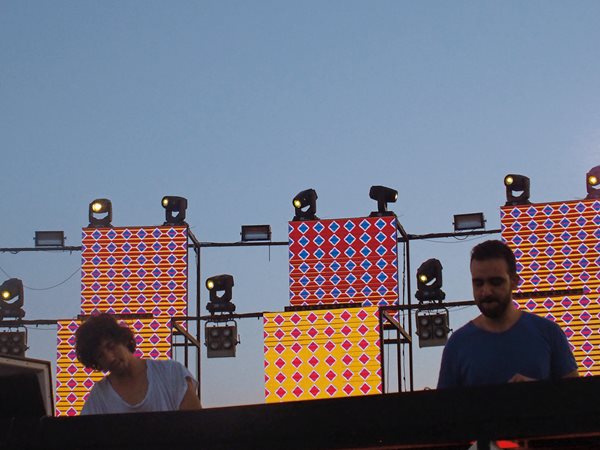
point(382, 195)
point(49, 238)
point(173, 205)
point(220, 303)
point(11, 299)
point(100, 213)
point(220, 340)
point(517, 190)
point(305, 205)
point(13, 343)
point(470, 221)
point(429, 281)
point(432, 328)
point(256, 233)
point(592, 179)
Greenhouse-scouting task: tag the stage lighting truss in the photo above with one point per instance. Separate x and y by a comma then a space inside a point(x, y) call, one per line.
point(100, 213)
point(220, 288)
point(252, 233)
point(13, 343)
point(429, 281)
point(221, 339)
point(592, 180)
point(175, 208)
point(49, 238)
point(432, 328)
point(382, 195)
point(517, 190)
point(11, 299)
point(471, 221)
point(305, 205)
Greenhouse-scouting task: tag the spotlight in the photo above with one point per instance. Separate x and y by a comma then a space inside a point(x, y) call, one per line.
point(432, 328)
point(429, 281)
point(220, 340)
point(256, 233)
point(100, 213)
point(517, 190)
point(174, 205)
point(305, 205)
point(592, 179)
point(470, 221)
point(220, 303)
point(382, 195)
point(11, 299)
point(13, 343)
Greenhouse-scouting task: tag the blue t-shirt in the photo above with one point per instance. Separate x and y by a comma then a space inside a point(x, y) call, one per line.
point(533, 346)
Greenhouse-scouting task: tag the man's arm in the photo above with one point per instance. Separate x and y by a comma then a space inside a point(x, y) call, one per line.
point(190, 399)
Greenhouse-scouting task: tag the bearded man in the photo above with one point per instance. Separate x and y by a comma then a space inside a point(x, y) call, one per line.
point(503, 344)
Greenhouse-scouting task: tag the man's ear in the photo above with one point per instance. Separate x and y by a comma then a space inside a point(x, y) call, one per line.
point(514, 282)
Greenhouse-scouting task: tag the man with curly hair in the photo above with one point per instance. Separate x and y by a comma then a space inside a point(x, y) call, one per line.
point(133, 384)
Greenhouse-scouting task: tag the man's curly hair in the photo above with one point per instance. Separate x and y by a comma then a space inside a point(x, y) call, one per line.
point(94, 331)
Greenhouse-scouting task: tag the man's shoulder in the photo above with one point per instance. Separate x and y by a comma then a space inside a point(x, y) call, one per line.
point(539, 321)
point(463, 333)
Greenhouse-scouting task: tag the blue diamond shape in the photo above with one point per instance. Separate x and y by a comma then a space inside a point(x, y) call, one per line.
point(334, 239)
point(156, 246)
point(319, 266)
point(381, 263)
point(515, 213)
point(351, 292)
point(531, 211)
point(350, 265)
point(366, 264)
point(335, 279)
point(96, 234)
point(518, 253)
point(366, 278)
point(334, 226)
point(548, 210)
point(382, 290)
point(350, 252)
point(580, 207)
point(532, 225)
point(319, 227)
point(320, 293)
point(304, 280)
point(142, 233)
point(335, 266)
point(566, 250)
point(156, 259)
point(366, 291)
point(126, 247)
point(583, 249)
point(516, 226)
point(365, 251)
point(303, 241)
point(156, 233)
point(517, 239)
point(349, 239)
point(549, 237)
point(303, 228)
point(111, 260)
point(364, 224)
point(350, 278)
point(534, 252)
point(365, 238)
point(319, 254)
point(581, 221)
point(381, 250)
point(303, 254)
point(319, 280)
point(349, 225)
point(548, 224)
point(550, 265)
point(334, 253)
point(335, 293)
point(304, 294)
point(382, 277)
point(584, 263)
point(380, 237)
point(564, 209)
point(565, 236)
point(141, 259)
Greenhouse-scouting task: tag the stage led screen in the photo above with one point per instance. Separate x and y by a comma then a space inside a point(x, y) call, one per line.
point(73, 381)
point(136, 270)
point(557, 246)
point(322, 353)
point(340, 261)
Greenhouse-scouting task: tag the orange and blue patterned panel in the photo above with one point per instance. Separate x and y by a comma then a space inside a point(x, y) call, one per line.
point(557, 246)
point(140, 270)
point(343, 261)
point(322, 354)
point(73, 381)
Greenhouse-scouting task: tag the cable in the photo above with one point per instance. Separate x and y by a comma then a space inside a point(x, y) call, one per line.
point(44, 288)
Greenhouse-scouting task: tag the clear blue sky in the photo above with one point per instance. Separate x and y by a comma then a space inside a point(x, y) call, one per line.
point(239, 105)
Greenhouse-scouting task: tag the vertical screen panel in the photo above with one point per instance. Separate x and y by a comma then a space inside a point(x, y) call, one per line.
point(73, 381)
point(134, 270)
point(343, 261)
point(557, 246)
point(321, 354)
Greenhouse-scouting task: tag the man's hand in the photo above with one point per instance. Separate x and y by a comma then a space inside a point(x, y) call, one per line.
point(518, 378)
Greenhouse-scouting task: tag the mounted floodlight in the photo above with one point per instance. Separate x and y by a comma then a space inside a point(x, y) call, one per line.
point(256, 233)
point(382, 195)
point(11, 299)
point(470, 221)
point(432, 328)
point(305, 205)
point(220, 340)
point(49, 238)
point(100, 213)
point(220, 303)
point(429, 281)
point(517, 190)
point(176, 205)
point(13, 343)
point(592, 179)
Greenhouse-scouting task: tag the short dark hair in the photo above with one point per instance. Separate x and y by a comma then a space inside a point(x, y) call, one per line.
point(494, 249)
point(94, 331)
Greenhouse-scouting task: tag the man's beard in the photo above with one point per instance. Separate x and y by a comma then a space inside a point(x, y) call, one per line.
point(493, 307)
